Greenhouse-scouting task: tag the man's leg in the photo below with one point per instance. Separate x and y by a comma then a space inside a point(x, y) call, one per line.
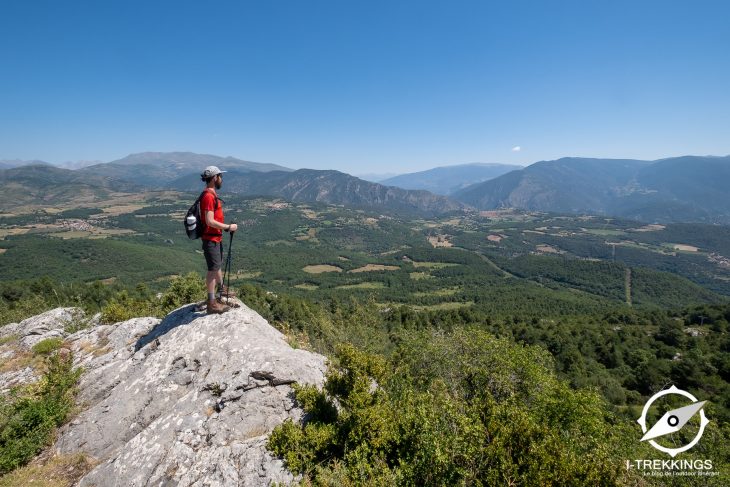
point(210, 280)
point(213, 257)
point(219, 279)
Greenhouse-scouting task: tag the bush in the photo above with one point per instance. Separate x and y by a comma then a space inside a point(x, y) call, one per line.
point(463, 408)
point(45, 347)
point(183, 290)
point(28, 416)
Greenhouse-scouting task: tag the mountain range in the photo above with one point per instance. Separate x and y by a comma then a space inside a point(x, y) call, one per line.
point(689, 188)
point(447, 180)
point(46, 185)
point(42, 184)
point(333, 187)
point(156, 169)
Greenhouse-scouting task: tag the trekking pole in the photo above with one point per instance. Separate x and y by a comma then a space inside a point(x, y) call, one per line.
point(228, 268)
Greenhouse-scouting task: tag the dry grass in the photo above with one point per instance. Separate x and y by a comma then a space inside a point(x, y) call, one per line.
point(319, 269)
point(649, 228)
point(547, 249)
point(375, 267)
point(363, 285)
point(309, 214)
point(4, 232)
point(2, 251)
point(685, 248)
point(56, 471)
point(20, 360)
point(121, 209)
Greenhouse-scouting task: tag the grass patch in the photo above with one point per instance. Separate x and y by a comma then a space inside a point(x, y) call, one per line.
point(45, 347)
point(375, 267)
point(29, 415)
point(58, 471)
point(20, 360)
point(319, 269)
point(363, 285)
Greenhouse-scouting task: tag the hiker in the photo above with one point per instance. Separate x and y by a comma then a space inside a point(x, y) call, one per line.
point(211, 214)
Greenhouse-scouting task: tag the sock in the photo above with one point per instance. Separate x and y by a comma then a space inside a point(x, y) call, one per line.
point(211, 296)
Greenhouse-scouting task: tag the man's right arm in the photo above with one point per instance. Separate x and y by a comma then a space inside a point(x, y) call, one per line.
point(212, 222)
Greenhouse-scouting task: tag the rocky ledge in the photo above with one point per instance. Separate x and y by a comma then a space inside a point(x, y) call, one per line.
point(186, 400)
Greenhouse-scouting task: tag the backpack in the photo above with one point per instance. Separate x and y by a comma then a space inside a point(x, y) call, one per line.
point(193, 220)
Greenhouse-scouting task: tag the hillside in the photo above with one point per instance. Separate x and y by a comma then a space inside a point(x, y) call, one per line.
point(449, 179)
point(332, 187)
point(42, 185)
point(676, 189)
point(149, 391)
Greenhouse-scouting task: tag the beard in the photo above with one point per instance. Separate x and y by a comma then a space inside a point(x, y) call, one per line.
point(218, 184)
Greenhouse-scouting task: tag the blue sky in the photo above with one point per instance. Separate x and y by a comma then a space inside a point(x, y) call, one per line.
point(364, 87)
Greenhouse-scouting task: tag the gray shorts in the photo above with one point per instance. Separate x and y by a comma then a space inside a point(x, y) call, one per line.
point(213, 252)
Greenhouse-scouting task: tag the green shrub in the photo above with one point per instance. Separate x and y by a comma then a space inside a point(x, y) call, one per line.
point(124, 307)
point(29, 415)
point(450, 409)
point(182, 290)
point(115, 312)
point(45, 347)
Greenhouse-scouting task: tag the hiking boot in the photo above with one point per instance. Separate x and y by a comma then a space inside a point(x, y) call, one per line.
point(216, 308)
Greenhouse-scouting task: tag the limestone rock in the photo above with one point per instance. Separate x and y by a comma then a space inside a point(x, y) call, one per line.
point(50, 324)
point(187, 400)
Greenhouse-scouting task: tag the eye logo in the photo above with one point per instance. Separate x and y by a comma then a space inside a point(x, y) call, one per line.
point(673, 421)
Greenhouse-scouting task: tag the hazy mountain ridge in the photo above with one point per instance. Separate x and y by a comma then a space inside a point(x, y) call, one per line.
point(333, 187)
point(689, 188)
point(45, 184)
point(156, 169)
point(446, 180)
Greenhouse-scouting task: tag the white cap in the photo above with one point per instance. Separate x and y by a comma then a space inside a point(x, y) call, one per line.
point(211, 171)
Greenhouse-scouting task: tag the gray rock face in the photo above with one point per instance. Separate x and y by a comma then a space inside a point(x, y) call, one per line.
point(187, 400)
point(46, 325)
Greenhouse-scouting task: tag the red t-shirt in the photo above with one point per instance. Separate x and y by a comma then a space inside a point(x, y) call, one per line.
point(208, 203)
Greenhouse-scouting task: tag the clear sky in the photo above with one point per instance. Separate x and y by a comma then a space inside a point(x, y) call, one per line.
point(365, 86)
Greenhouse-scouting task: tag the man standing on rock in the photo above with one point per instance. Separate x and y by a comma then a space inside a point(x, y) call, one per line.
point(211, 214)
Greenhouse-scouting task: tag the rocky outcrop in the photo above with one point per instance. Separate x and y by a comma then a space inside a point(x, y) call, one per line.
point(50, 324)
point(187, 400)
